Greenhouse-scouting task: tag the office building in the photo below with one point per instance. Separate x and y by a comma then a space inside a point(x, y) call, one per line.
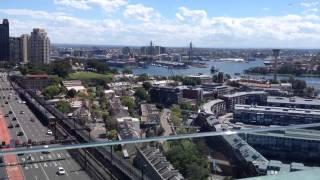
point(268, 115)
point(35, 81)
point(150, 115)
point(253, 97)
point(24, 48)
point(152, 50)
point(165, 95)
point(202, 78)
point(4, 41)
point(300, 145)
point(39, 47)
point(216, 107)
point(192, 93)
point(295, 102)
point(15, 49)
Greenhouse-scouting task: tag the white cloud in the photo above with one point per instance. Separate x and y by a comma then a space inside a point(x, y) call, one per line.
point(140, 12)
point(308, 4)
point(187, 14)
point(269, 31)
point(107, 5)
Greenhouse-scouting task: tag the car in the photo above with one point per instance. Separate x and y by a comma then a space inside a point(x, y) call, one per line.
point(6, 102)
point(61, 171)
point(23, 102)
point(10, 112)
point(49, 132)
point(45, 147)
point(17, 125)
point(20, 133)
point(10, 125)
point(21, 112)
point(14, 118)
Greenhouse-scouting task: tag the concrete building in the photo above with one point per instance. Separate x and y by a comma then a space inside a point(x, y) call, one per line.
point(15, 49)
point(74, 84)
point(296, 102)
point(165, 95)
point(4, 41)
point(24, 48)
point(39, 47)
point(155, 165)
point(35, 82)
point(300, 145)
point(216, 107)
point(268, 115)
point(202, 78)
point(253, 97)
point(150, 115)
point(192, 93)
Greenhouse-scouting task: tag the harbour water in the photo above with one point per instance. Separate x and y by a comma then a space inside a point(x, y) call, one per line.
point(227, 67)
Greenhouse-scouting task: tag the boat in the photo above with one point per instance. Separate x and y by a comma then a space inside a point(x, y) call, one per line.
point(214, 69)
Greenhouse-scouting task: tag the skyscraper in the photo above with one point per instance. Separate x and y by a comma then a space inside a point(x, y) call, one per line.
point(24, 48)
point(4, 41)
point(15, 49)
point(39, 46)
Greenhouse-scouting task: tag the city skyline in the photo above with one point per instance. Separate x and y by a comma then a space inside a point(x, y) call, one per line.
point(230, 24)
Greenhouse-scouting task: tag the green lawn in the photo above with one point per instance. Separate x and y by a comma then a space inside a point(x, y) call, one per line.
point(88, 76)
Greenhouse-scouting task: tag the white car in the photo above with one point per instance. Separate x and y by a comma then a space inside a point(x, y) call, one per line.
point(61, 171)
point(49, 132)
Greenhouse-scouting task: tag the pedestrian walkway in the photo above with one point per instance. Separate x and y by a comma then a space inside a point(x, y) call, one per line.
point(14, 171)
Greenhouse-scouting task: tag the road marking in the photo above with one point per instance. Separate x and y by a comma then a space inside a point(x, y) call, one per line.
point(26, 167)
point(49, 156)
point(45, 165)
point(36, 166)
point(55, 164)
point(41, 157)
point(59, 156)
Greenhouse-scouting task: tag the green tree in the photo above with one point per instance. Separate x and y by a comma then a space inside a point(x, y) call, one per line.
point(176, 115)
point(141, 94)
point(71, 93)
point(147, 85)
point(127, 71)
point(50, 91)
point(112, 134)
point(129, 102)
point(143, 77)
point(186, 157)
point(64, 106)
point(61, 68)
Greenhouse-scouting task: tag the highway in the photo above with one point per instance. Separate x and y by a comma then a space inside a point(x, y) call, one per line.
point(37, 166)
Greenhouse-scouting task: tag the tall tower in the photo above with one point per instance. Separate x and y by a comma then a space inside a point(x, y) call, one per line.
point(39, 47)
point(24, 48)
point(275, 53)
point(4, 41)
point(190, 51)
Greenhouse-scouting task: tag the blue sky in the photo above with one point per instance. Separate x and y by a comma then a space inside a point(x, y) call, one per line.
point(208, 23)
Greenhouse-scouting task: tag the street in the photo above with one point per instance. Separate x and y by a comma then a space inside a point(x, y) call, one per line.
point(42, 166)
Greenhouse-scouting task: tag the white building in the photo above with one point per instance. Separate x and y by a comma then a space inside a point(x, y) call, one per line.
point(39, 46)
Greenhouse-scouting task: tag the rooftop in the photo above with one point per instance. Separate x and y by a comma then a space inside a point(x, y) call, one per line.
point(262, 109)
point(237, 94)
point(293, 100)
point(207, 106)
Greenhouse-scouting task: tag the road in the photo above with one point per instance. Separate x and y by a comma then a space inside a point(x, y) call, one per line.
point(37, 166)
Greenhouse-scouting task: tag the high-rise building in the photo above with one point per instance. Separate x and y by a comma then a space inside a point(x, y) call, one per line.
point(15, 49)
point(4, 41)
point(39, 46)
point(24, 48)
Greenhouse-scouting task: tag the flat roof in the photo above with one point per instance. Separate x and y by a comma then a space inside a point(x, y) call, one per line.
point(304, 134)
point(207, 106)
point(293, 100)
point(243, 93)
point(286, 110)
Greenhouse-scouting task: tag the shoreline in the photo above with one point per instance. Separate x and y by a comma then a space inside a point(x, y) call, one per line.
point(288, 75)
